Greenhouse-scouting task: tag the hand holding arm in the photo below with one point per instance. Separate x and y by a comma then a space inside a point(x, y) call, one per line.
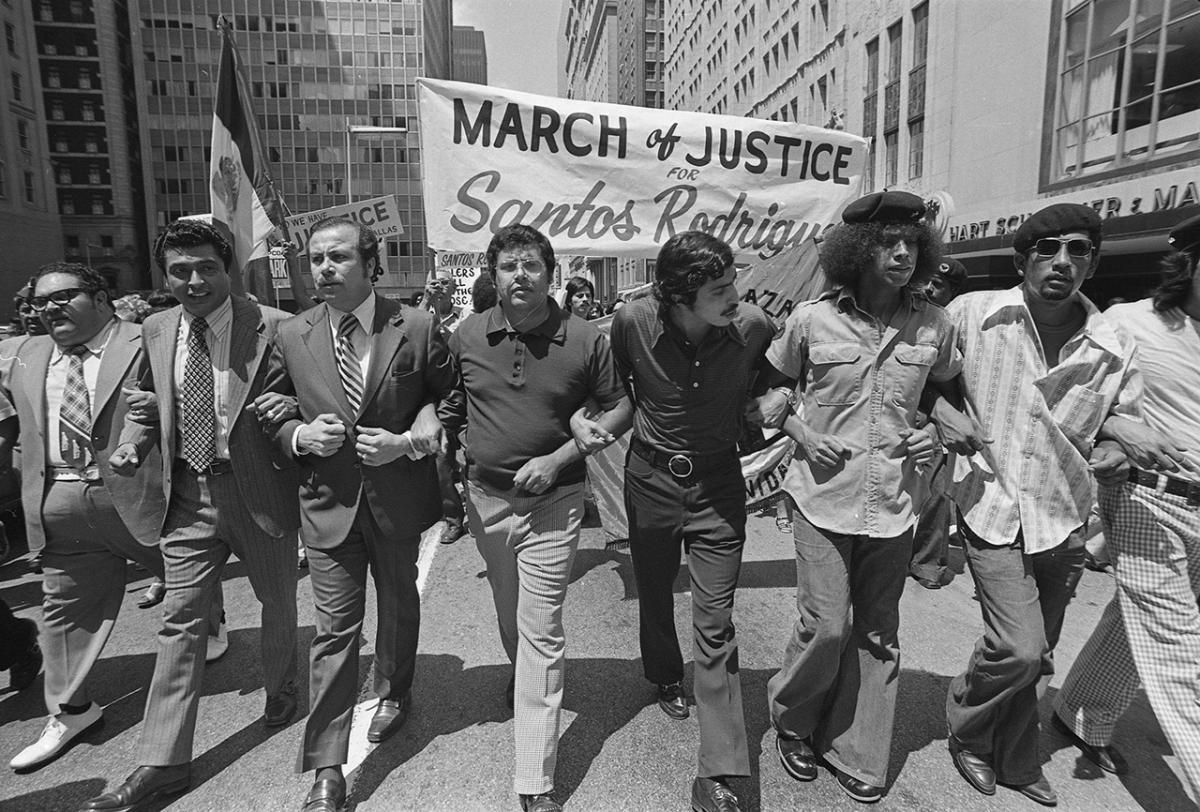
point(323, 436)
point(1108, 462)
point(426, 434)
point(1146, 448)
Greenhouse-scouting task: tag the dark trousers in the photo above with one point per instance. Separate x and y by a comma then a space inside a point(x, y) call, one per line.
point(841, 667)
point(448, 473)
point(339, 584)
point(706, 515)
point(931, 540)
point(992, 708)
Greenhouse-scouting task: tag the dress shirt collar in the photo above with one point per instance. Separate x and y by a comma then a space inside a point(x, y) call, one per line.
point(95, 344)
point(218, 321)
point(553, 327)
point(733, 330)
point(365, 313)
point(1096, 327)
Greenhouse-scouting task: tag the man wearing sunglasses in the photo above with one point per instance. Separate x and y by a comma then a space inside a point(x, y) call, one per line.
point(1043, 369)
point(439, 300)
point(62, 394)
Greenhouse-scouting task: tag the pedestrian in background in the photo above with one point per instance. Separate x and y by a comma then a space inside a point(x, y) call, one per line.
point(439, 297)
point(579, 297)
point(860, 355)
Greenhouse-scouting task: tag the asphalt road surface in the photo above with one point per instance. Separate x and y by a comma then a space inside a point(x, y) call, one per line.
point(617, 752)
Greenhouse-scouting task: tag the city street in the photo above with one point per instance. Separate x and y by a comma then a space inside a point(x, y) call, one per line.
point(618, 751)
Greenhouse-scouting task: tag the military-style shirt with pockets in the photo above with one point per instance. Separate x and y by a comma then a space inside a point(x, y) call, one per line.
point(861, 380)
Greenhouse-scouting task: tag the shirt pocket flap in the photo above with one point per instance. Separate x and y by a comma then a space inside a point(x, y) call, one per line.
point(919, 354)
point(834, 353)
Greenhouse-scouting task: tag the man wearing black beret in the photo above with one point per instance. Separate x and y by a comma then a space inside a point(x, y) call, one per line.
point(1151, 628)
point(1042, 371)
point(860, 355)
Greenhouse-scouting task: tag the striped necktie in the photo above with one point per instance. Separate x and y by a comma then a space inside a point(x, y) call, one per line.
point(199, 435)
point(349, 369)
point(75, 414)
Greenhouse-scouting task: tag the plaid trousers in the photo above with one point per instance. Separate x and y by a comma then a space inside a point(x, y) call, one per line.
point(528, 544)
point(1155, 538)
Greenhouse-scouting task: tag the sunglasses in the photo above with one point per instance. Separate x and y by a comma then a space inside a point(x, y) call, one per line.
point(1050, 246)
point(62, 298)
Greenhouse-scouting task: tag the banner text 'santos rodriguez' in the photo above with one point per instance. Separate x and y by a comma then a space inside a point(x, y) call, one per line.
point(608, 179)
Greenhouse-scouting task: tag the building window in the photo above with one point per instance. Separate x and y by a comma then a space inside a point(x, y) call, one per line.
point(64, 176)
point(10, 38)
point(16, 86)
point(94, 175)
point(871, 111)
point(28, 186)
point(23, 134)
point(891, 154)
point(916, 148)
point(87, 111)
point(85, 79)
point(916, 92)
point(106, 241)
point(56, 110)
point(1128, 86)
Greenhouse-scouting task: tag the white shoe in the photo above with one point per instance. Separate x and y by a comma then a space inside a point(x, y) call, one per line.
point(218, 644)
point(56, 735)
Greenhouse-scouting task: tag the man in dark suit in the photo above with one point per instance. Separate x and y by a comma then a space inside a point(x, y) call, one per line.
point(62, 392)
point(206, 362)
point(368, 373)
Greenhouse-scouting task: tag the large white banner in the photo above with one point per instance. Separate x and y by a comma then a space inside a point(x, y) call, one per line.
point(614, 180)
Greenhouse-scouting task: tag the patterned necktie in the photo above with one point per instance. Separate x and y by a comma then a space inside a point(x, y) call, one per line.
point(199, 436)
point(75, 414)
point(347, 361)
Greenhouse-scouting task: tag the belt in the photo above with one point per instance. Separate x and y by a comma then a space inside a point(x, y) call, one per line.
point(214, 468)
point(681, 466)
point(66, 474)
point(1167, 484)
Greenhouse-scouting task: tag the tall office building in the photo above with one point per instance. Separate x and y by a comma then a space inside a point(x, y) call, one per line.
point(29, 219)
point(469, 59)
point(317, 70)
point(89, 114)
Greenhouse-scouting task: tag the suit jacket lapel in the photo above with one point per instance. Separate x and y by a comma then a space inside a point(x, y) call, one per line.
point(160, 346)
point(320, 344)
point(38, 362)
point(246, 345)
point(384, 344)
point(122, 346)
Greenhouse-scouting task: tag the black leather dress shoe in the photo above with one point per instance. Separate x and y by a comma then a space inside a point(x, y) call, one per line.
point(540, 803)
point(711, 795)
point(672, 700)
point(281, 707)
point(1040, 791)
point(797, 758)
point(978, 772)
point(144, 785)
point(154, 595)
point(1106, 757)
point(28, 662)
point(860, 791)
point(389, 717)
point(327, 795)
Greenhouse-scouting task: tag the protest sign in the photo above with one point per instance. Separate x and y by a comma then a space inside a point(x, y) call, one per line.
point(382, 214)
point(613, 180)
point(464, 268)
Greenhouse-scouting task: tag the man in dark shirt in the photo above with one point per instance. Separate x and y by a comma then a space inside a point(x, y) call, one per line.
point(690, 353)
point(527, 366)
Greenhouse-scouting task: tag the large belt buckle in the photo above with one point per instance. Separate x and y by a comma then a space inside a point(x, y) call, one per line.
point(681, 461)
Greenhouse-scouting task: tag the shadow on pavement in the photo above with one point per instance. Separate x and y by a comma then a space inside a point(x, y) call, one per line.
point(63, 796)
point(590, 558)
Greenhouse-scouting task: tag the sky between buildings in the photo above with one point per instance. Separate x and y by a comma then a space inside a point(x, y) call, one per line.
point(522, 41)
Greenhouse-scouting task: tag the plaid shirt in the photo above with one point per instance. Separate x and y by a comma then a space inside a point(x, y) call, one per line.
point(1034, 477)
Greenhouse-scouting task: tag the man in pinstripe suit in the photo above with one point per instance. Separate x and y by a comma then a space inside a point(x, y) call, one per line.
point(367, 373)
point(206, 361)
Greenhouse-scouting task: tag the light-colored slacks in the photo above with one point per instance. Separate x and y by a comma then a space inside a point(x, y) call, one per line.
point(1151, 627)
point(528, 544)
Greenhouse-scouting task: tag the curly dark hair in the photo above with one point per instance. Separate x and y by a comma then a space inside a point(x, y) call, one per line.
point(191, 234)
point(90, 280)
point(685, 263)
point(368, 241)
point(848, 248)
point(519, 236)
point(1178, 268)
point(483, 293)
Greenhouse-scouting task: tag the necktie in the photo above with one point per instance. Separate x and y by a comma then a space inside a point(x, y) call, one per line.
point(348, 364)
point(199, 436)
point(75, 414)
